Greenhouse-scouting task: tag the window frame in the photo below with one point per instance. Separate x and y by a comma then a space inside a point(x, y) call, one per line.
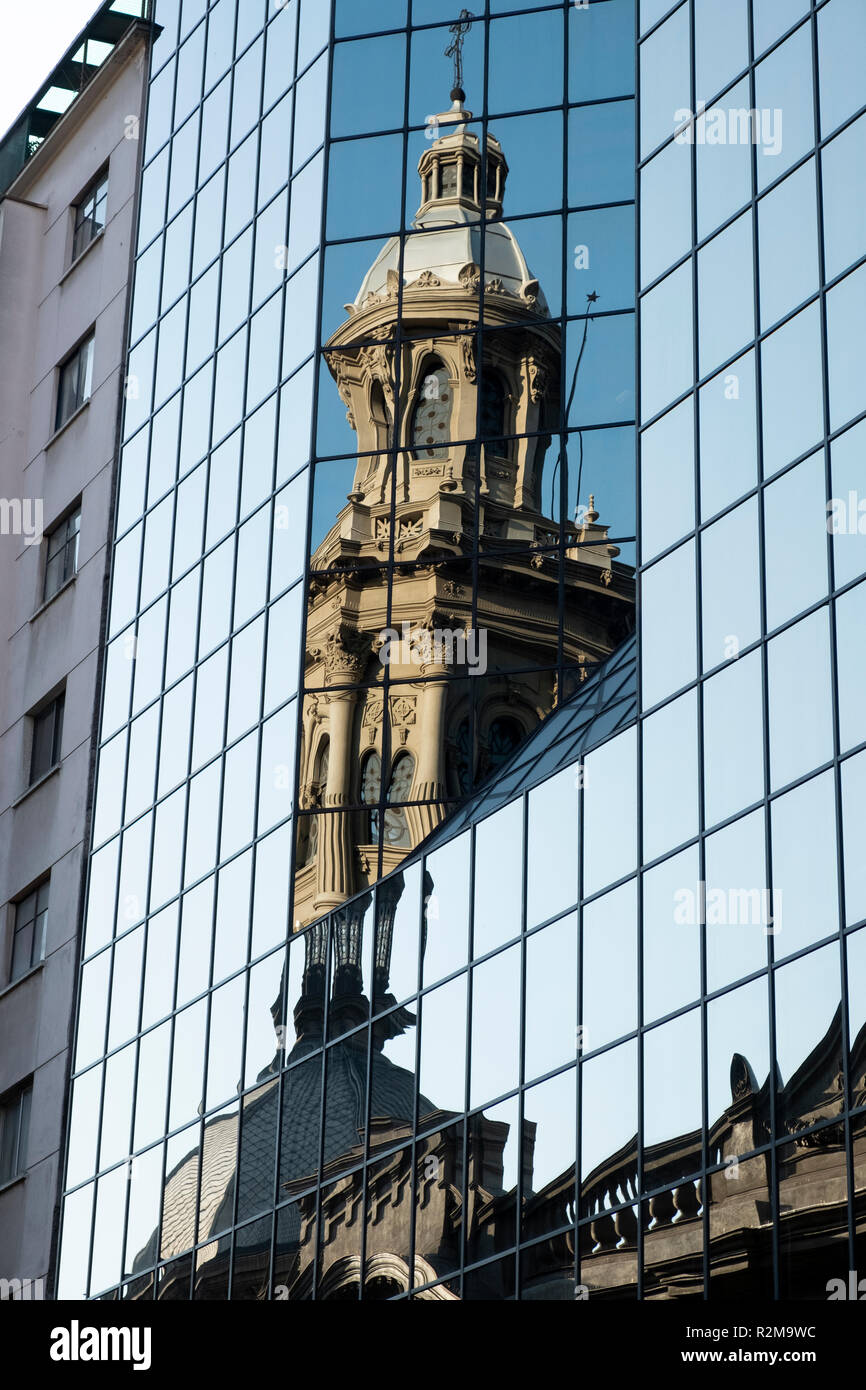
point(96, 193)
point(55, 709)
point(15, 1108)
point(40, 896)
point(79, 360)
point(431, 368)
point(72, 515)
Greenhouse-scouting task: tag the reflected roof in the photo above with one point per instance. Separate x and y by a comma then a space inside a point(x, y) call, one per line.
point(75, 71)
point(445, 251)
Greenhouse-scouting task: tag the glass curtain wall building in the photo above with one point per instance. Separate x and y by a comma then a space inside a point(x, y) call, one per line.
point(454, 928)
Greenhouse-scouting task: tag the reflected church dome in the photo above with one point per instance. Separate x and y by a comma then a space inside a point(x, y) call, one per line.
point(446, 247)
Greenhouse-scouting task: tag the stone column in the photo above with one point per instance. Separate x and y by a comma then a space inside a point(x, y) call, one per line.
point(335, 876)
point(430, 742)
point(346, 656)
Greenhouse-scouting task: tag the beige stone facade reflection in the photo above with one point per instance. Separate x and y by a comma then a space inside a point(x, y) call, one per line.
point(457, 519)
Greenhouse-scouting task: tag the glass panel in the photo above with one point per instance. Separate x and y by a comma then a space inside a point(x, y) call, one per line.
point(730, 593)
point(664, 80)
point(551, 998)
point(117, 1107)
point(552, 851)
point(672, 1096)
point(609, 968)
point(125, 988)
point(803, 826)
point(843, 164)
point(667, 350)
point(670, 777)
point(853, 811)
point(601, 49)
point(446, 901)
point(550, 1145)
point(846, 512)
point(672, 923)
point(788, 244)
point(143, 1210)
point(733, 739)
point(666, 210)
point(498, 878)
point(773, 17)
point(801, 735)
point(77, 1217)
point(738, 909)
point(726, 294)
point(601, 153)
point(91, 1025)
point(610, 775)
point(783, 86)
point(721, 44)
point(793, 398)
point(668, 605)
point(846, 308)
point(808, 1034)
point(609, 1125)
point(111, 1193)
point(651, 12)
point(738, 1042)
point(158, 993)
point(509, 40)
point(841, 36)
point(442, 1082)
point(729, 446)
point(851, 666)
point(724, 158)
point(84, 1126)
point(795, 540)
point(855, 949)
point(667, 480)
point(495, 1026)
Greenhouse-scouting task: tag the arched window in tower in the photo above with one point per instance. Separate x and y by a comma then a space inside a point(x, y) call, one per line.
point(493, 415)
point(371, 785)
point(396, 825)
point(460, 757)
point(380, 416)
point(315, 797)
point(503, 736)
point(431, 420)
point(448, 179)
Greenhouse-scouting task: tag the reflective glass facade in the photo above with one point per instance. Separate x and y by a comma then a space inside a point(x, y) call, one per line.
point(447, 937)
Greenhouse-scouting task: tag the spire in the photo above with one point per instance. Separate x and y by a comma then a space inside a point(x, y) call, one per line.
point(454, 50)
point(455, 180)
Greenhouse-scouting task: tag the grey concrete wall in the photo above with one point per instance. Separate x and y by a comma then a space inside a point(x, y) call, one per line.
point(46, 306)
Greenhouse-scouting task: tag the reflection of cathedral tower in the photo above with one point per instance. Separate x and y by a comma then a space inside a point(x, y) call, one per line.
point(446, 503)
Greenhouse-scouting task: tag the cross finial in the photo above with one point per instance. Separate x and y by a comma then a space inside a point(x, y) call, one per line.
point(455, 50)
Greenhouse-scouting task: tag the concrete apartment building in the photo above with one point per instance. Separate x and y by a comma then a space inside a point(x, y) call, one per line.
point(68, 174)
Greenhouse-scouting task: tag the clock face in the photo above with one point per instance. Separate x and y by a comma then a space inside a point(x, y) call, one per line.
point(430, 426)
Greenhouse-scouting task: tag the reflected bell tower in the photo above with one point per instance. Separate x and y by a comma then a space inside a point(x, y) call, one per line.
point(448, 364)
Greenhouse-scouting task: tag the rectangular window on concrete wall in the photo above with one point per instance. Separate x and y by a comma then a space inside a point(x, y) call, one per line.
point(90, 215)
point(14, 1132)
point(28, 932)
point(46, 736)
point(61, 558)
point(74, 382)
